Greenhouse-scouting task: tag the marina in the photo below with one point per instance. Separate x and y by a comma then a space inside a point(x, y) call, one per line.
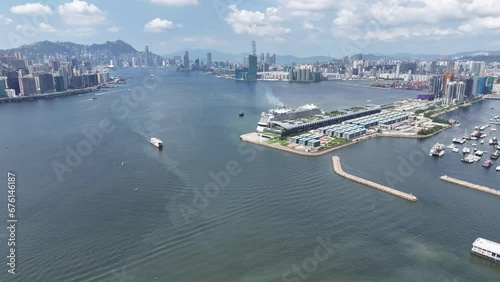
point(337, 167)
point(470, 185)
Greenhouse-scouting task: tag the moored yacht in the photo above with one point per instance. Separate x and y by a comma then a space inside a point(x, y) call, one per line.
point(465, 150)
point(487, 163)
point(437, 150)
point(495, 155)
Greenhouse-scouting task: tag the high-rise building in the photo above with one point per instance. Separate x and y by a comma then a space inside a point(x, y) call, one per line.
point(46, 81)
point(469, 82)
point(261, 57)
point(436, 86)
point(398, 69)
point(268, 58)
point(246, 61)
point(450, 92)
point(460, 91)
point(27, 86)
point(252, 67)
point(254, 49)
point(450, 66)
point(447, 78)
point(197, 64)
point(273, 60)
point(146, 56)
point(478, 68)
point(209, 60)
point(13, 81)
point(186, 61)
point(3, 86)
point(481, 85)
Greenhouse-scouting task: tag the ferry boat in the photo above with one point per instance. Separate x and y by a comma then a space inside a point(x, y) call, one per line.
point(487, 163)
point(437, 150)
point(156, 142)
point(486, 249)
point(465, 150)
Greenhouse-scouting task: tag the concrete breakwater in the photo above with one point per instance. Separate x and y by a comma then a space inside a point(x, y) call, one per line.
point(470, 185)
point(337, 167)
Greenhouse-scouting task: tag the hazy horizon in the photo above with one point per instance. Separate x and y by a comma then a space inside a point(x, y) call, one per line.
point(323, 28)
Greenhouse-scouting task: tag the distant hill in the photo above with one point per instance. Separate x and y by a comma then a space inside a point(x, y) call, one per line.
point(39, 49)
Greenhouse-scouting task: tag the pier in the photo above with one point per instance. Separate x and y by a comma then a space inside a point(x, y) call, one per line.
point(470, 185)
point(337, 167)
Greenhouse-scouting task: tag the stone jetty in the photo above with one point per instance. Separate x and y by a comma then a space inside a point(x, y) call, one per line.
point(337, 167)
point(470, 185)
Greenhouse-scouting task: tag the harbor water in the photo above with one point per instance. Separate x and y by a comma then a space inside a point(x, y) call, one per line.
point(210, 207)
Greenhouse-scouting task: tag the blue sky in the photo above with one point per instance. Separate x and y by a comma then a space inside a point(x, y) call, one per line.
point(286, 27)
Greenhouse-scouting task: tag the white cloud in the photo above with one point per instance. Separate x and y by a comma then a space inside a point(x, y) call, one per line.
point(158, 25)
point(256, 23)
point(31, 9)
point(112, 29)
point(175, 2)
point(4, 20)
point(82, 13)
point(308, 5)
point(392, 20)
point(42, 27)
point(308, 26)
point(481, 24)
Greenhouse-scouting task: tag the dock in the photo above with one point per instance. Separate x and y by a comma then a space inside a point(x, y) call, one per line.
point(337, 167)
point(471, 185)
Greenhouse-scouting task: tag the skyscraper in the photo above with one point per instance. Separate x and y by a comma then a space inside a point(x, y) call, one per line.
point(254, 49)
point(252, 67)
point(209, 60)
point(186, 61)
point(3, 93)
point(478, 68)
point(146, 56)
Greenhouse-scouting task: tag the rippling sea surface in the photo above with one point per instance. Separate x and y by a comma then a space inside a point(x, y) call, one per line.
point(88, 218)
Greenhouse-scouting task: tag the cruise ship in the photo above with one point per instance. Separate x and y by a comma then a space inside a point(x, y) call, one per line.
point(281, 114)
point(487, 249)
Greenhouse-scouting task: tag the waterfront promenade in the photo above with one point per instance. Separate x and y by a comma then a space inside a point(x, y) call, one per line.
point(470, 185)
point(337, 167)
point(50, 95)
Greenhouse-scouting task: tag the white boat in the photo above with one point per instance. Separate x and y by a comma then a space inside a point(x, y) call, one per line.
point(498, 168)
point(474, 144)
point(437, 150)
point(156, 142)
point(460, 141)
point(465, 150)
point(455, 150)
point(470, 159)
point(479, 153)
point(482, 141)
point(451, 146)
point(487, 249)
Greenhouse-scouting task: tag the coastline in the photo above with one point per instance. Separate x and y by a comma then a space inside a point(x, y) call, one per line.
point(50, 95)
point(253, 137)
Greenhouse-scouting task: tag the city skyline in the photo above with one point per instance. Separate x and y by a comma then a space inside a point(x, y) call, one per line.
point(327, 28)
